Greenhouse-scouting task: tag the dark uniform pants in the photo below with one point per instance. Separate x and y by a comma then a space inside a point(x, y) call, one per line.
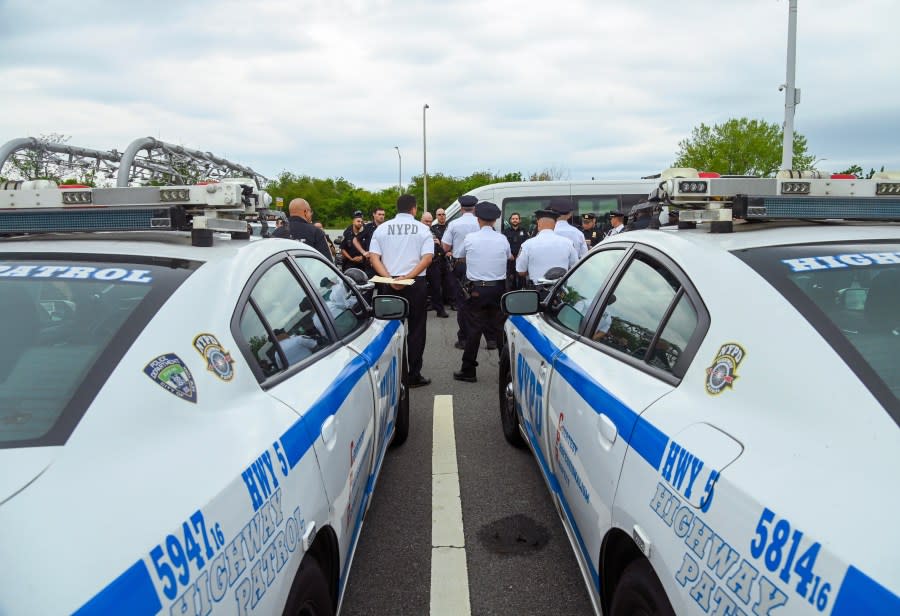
point(438, 275)
point(483, 316)
point(459, 298)
point(416, 294)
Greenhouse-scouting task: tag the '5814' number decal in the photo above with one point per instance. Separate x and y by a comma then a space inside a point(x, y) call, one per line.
point(776, 543)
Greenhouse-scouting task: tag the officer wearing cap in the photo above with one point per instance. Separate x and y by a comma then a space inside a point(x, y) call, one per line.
point(564, 207)
point(486, 254)
point(592, 234)
point(402, 248)
point(516, 234)
point(452, 242)
point(617, 220)
point(545, 250)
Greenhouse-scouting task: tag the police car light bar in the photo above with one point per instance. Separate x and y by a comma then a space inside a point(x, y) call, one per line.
point(791, 195)
point(40, 206)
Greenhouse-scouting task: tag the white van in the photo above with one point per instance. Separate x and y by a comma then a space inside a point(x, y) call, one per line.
point(524, 198)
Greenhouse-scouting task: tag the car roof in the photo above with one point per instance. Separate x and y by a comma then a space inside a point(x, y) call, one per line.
point(754, 235)
point(149, 244)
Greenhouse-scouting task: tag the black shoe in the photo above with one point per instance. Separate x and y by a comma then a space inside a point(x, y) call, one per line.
point(460, 345)
point(418, 381)
point(443, 314)
point(491, 345)
point(468, 377)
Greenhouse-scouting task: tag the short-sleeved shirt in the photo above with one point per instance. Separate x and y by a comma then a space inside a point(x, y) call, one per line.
point(544, 251)
point(457, 231)
point(516, 238)
point(486, 253)
point(566, 230)
point(402, 242)
point(365, 236)
point(347, 241)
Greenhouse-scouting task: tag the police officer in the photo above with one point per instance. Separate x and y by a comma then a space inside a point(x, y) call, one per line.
point(564, 207)
point(436, 271)
point(617, 220)
point(486, 254)
point(516, 235)
point(364, 239)
point(545, 250)
point(402, 248)
point(300, 228)
point(352, 256)
point(452, 242)
point(592, 234)
point(447, 289)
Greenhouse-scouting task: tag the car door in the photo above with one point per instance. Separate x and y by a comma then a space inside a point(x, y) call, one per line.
point(325, 382)
point(379, 345)
point(602, 382)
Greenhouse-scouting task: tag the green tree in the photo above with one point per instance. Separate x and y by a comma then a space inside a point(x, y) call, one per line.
point(740, 146)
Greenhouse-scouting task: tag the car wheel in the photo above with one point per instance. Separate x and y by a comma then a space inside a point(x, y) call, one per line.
point(309, 594)
point(640, 593)
point(509, 418)
point(401, 428)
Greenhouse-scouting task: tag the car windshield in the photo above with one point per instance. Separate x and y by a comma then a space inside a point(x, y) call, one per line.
point(65, 323)
point(850, 292)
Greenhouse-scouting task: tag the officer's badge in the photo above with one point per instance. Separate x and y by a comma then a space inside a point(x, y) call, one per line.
point(723, 371)
point(218, 360)
point(170, 373)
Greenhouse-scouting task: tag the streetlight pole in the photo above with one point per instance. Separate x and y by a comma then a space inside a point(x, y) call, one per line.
point(424, 162)
point(791, 94)
point(399, 170)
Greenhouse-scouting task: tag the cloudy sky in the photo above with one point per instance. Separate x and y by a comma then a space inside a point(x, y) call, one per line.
point(592, 88)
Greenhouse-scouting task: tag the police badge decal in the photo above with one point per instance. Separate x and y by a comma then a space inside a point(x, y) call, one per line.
point(723, 371)
point(170, 373)
point(218, 360)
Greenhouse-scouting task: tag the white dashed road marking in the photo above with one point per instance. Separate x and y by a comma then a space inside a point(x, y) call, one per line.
point(449, 575)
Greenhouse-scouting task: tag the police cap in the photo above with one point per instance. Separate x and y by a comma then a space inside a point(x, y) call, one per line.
point(357, 214)
point(618, 213)
point(487, 211)
point(589, 216)
point(546, 214)
point(468, 201)
point(562, 205)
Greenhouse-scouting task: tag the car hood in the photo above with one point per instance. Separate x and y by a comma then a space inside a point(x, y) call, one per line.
point(21, 466)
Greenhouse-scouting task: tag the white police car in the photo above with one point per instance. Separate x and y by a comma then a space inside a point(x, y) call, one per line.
point(188, 430)
point(716, 416)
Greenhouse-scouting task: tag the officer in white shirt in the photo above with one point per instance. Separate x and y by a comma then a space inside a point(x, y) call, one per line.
point(402, 248)
point(617, 220)
point(564, 207)
point(545, 250)
point(486, 253)
point(452, 242)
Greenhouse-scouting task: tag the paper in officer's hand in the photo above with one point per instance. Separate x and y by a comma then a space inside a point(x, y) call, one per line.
point(387, 280)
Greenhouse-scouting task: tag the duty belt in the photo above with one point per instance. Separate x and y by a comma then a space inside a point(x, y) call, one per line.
point(487, 283)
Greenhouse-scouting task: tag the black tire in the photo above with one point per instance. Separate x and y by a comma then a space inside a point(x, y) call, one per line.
point(310, 595)
point(509, 418)
point(640, 593)
point(401, 427)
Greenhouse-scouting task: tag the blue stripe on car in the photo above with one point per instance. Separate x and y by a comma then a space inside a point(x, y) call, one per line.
point(134, 592)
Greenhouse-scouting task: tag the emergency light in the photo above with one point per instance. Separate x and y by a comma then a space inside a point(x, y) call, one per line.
point(41, 207)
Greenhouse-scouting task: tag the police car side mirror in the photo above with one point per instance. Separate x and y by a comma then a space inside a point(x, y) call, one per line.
point(390, 307)
point(520, 302)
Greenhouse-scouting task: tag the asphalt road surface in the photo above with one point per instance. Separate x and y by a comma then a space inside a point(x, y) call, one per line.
point(517, 558)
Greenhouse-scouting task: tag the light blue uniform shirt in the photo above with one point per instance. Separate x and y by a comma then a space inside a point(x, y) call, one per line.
point(543, 252)
point(457, 231)
point(566, 230)
point(486, 253)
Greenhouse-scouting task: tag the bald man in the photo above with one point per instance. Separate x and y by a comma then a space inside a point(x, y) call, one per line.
point(300, 228)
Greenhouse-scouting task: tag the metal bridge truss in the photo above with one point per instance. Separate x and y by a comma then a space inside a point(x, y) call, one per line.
point(145, 161)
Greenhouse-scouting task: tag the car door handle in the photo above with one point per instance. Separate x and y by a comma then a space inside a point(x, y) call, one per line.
point(606, 430)
point(329, 432)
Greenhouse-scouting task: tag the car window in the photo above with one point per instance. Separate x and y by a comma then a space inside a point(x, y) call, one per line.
point(675, 336)
point(850, 292)
point(342, 302)
point(636, 307)
point(294, 331)
point(64, 326)
point(572, 299)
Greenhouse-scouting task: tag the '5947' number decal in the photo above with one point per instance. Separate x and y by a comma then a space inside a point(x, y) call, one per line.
point(174, 562)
